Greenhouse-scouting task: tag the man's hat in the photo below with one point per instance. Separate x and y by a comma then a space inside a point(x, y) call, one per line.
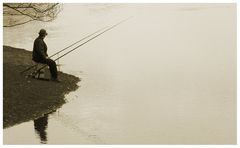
point(42, 32)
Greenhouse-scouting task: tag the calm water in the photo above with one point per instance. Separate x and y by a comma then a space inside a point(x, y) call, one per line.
point(167, 76)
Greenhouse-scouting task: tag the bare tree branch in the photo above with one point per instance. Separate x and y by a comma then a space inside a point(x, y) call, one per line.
point(34, 11)
point(17, 24)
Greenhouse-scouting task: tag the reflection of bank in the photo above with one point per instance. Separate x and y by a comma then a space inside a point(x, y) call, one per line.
point(40, 126)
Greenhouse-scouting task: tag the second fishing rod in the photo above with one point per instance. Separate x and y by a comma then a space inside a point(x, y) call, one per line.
point(87, 41)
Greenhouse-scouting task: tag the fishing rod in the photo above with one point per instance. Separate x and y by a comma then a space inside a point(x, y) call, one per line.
point(66, 48)
point(78, 41)
point(87, 41)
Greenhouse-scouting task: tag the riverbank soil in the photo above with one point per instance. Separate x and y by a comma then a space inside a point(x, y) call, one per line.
point(25, 98)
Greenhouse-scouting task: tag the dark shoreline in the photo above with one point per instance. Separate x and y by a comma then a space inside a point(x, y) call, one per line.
point(24, 98)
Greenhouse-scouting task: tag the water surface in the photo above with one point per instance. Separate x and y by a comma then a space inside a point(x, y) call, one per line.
point(167, 76)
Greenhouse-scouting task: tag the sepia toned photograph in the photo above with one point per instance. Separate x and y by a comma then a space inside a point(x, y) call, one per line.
point(119, 73)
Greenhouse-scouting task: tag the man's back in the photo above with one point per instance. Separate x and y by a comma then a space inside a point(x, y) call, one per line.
point(39, 50)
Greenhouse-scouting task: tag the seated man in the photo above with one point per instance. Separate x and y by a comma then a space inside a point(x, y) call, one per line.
point(40, 55)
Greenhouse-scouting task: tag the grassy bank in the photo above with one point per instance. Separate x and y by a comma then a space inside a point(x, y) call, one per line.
point(24, 98)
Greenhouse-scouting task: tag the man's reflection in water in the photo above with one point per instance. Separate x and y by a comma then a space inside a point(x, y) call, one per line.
point(40, 126)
